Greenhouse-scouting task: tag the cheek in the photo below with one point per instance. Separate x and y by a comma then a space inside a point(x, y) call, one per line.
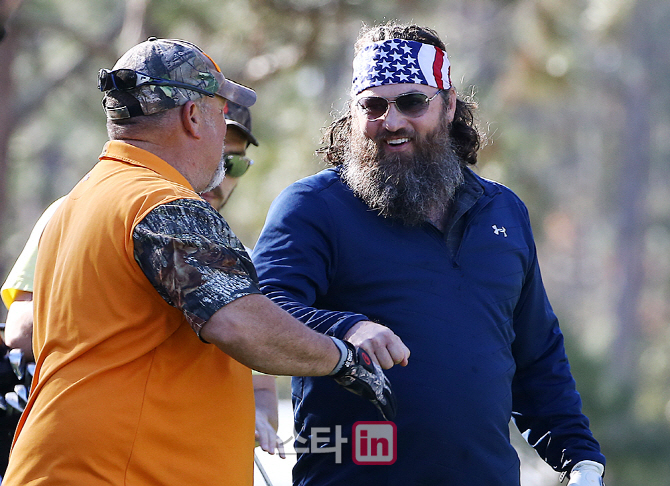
point(427, 123)
point(369, 129)
point(361, 125)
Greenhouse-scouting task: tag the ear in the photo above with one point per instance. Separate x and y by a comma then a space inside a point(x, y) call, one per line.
point(451, 110)
point(192, 119)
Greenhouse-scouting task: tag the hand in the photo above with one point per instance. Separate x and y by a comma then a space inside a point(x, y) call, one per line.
point(361, 375)
point(382, 344)
point(267, 417)
point(266, 436)
point(587, 473)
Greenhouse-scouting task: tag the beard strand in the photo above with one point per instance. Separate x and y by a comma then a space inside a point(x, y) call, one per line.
point(412, 188)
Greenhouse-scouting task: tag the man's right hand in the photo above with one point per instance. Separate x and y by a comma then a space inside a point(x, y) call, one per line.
point(383, 345)
point(361, 375)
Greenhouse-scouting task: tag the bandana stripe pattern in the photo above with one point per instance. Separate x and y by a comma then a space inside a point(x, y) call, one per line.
point(397, 61)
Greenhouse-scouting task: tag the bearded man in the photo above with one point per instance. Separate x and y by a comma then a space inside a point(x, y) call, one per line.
point(400, 238)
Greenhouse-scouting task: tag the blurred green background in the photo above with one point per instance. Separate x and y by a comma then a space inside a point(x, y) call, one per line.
point(573, 95)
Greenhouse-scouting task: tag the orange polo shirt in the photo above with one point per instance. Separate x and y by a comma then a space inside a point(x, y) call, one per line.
point(125, 393)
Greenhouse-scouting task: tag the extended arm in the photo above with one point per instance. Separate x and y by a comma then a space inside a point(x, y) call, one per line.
point(262, 336)
point(296, 256)
point(381, 343)
point(195, 262)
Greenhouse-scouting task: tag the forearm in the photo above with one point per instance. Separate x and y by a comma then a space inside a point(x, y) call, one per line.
point(264, 337)
point(265, 395)
point(332, 323)
point(551, 416)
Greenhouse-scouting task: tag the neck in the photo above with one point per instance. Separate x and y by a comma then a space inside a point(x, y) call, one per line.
point(173, 154)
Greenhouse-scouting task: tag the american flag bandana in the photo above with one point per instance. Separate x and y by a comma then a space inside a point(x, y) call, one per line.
point(396, 61)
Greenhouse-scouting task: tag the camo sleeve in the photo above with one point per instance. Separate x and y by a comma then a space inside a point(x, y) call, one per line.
point(192, 258)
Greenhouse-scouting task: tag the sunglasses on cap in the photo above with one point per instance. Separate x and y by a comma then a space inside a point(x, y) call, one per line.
point(127, 79)
point(412, 105)
point(236, 165)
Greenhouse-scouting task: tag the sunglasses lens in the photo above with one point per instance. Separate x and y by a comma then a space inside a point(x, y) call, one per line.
point(412, 104)
point(125, 79)
point(237, 165)
point(122, 79)
point(374, 106)
point(104, 80)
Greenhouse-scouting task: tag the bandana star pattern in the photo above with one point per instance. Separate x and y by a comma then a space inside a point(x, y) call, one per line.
point(397, 61)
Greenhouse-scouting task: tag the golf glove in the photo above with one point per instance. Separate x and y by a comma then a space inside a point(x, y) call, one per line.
point(587, 473)
point(357, 373)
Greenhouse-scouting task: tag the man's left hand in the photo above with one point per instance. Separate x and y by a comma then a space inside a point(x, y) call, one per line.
point(267, 438)
point(587, 473)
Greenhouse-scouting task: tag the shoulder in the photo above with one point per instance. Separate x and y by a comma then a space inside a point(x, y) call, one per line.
point(189, 216)
point(500, 192)
point(314, 190)
point(327, 179)
point(319, 203)
point(492, 187)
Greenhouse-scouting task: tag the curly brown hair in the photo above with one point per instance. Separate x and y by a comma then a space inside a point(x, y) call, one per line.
point(467, 139)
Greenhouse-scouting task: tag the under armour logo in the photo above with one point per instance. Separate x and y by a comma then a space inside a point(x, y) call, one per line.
point(497, 230)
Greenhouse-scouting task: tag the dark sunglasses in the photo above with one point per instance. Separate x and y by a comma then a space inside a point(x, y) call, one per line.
point(236, 165)
point(127, 79)
point(412, 105)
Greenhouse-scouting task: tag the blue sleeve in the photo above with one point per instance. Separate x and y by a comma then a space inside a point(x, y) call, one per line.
point(296, 257)
point(547, 408)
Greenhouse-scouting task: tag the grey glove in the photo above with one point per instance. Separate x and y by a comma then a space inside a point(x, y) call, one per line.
point(357, 373)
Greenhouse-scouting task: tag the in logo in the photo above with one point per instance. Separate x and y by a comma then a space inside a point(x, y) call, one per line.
point(374, 443)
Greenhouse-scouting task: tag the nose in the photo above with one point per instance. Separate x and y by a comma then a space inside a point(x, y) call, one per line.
point(393, 119)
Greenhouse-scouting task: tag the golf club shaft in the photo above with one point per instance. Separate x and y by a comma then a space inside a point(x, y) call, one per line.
point(262, 470)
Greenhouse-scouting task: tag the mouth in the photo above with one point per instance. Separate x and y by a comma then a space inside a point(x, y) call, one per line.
point(397, 142)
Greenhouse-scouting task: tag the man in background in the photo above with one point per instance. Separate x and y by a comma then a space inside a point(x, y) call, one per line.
point(238, 139)
point(400, 237)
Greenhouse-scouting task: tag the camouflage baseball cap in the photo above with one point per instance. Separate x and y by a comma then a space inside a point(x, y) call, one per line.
point(240, 117)
point(166, 73)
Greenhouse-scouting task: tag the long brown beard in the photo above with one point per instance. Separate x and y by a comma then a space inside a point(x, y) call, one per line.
point(412, 188)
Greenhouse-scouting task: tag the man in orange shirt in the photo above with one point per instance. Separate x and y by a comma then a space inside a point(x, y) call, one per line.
point(135, 277)
point(17, 290)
